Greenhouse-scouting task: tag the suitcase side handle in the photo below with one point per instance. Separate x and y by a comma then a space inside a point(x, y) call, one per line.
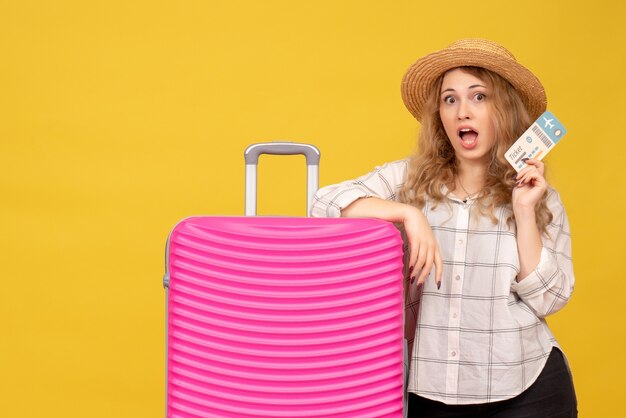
point(254, 151)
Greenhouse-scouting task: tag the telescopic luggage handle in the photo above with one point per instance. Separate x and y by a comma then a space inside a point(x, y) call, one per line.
point(254, 151)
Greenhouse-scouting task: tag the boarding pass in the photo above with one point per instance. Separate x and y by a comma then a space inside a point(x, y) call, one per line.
point(537, 141)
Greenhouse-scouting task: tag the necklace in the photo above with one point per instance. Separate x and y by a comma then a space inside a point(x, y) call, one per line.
point(467, 194)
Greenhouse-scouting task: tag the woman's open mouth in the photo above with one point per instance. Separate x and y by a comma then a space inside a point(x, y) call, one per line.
point(469, 137)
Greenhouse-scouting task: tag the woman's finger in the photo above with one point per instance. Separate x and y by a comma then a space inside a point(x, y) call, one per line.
point(438, 267)
point(419, 264)
point(523, 172)
point(539, 165)
point(413, 257)
point(528, 176)
point(533, 176)
point(428, 265)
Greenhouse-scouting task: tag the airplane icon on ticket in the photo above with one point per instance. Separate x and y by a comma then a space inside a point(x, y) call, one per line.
point(549, 123)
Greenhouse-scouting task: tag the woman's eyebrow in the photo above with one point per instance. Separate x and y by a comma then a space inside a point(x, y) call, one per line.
point(473, 86)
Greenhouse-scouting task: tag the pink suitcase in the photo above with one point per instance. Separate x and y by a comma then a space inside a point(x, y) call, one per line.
point(284, 316)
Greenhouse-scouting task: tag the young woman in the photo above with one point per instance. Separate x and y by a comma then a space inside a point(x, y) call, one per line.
point(489, 252)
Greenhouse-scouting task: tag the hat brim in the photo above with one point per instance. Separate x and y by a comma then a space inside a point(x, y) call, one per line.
point(419, 80)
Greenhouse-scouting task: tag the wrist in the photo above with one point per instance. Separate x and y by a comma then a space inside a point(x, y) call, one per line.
point(524, 212)
point(525, 217)
point(408, 211)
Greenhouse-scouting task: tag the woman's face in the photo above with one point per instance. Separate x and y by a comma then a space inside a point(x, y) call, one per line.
point(465, 110)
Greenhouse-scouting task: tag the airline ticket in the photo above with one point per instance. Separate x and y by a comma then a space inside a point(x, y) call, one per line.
point(537, 141)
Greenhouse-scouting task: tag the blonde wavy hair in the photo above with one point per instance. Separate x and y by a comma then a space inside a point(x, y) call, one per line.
point(434, 164)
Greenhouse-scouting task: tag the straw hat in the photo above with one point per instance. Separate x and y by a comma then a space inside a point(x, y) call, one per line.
point(421, 76)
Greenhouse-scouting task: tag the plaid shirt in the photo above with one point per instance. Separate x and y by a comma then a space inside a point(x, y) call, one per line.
point(482, 337)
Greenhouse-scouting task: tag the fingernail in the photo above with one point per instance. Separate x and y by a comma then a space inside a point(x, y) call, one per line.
point(524, 160)
point(438, 285)
point(410, 269)
point(412, 279)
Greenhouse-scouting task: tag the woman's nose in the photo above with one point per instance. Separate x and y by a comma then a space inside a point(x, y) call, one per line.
point(463, 110)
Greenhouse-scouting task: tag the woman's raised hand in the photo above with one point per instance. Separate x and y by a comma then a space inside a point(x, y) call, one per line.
point(530, 187)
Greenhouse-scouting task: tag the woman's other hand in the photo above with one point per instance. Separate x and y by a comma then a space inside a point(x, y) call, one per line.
point(424, 251)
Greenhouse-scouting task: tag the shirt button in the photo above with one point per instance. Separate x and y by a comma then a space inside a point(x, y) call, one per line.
point(454, 315)
point(453, 353)
point(460, 242)
point(458, 277)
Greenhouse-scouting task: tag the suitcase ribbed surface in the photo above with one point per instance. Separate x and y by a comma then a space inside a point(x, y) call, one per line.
point(284, 317)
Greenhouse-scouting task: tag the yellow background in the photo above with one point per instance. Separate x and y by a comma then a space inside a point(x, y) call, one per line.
point(119, 118)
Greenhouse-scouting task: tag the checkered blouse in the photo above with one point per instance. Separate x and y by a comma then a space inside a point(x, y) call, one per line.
point(482, 337)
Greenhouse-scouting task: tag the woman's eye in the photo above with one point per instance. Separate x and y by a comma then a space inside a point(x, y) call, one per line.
point(449, 100)
point(480, 97)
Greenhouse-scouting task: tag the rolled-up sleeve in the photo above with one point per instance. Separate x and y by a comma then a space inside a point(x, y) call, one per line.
point(384, 182)
point(549, 287)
